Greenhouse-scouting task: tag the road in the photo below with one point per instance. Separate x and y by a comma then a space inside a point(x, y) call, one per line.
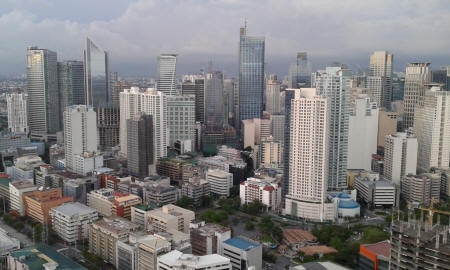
point(24, 240)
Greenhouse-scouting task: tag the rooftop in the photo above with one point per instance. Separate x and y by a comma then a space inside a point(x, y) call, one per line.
point(319, 266)
point(241, 243)
point(116, 225)
point(350, 204)
point(22, 184)
point(294, 236)
point(73, 209)
point(211, 229)
point(380, 248)
point(177, 258)
point(5, 179)
point(311, 250)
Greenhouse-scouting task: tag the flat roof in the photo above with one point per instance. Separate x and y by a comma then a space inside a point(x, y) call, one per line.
point(73, 209)
point(380, 248)
point(241, 243)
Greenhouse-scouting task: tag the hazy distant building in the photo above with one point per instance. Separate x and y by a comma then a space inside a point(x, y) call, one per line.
point(300, 72)
point(70, 83)
point(214, 111)
point(272, 95)
point(278, 127)
point(117, 87)
point(140, 145)
point(400, 156)
point(108, 124)
point(167, 71)
point(96, 74)
point(417, 75)
point(43, 94)
point(17, 107)
point(381, 65)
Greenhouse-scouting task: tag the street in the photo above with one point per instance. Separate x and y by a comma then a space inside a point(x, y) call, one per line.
point(24, 240)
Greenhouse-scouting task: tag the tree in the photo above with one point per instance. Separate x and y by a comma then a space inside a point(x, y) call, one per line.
point(255, 208)
point(249, 226)
point(206, 201)
point(234, 191)
point(185, 202)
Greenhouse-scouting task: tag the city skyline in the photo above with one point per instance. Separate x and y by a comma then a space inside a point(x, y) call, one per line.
point(118, 29)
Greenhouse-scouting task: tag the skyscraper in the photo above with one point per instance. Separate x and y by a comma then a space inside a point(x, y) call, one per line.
point(80, 132)
point(432, 127)
point(251, 76)
point(381, 65)
point(167, 72)
point(273, 95)
point(229, 84)
point(108, 124)
point(196, 87)
point(118, 87)
point(17, 107)
point(70, 84)
point(96, 75)
point(417, 75)
point(308, 157)
point(214, 100)
point(181, 119)
point(400, 156)
point(43, 94)
point(300, 72)
point(289, 96)
point(334, 84)
point(140, 145)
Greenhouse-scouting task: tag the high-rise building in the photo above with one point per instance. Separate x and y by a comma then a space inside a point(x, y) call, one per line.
point(96, 75)
point(113, 78)
point(440, 76)
point(375, 89)
point(43, 94)
point(421, 188)
point(278, 127)
point(70, 84)
point(167, 72)
point(273, 95)
point(181, 119)
point(300, 72)
point(400, 156)
point(432, 127)
point(150, 102)
point(117, 87)
point(80, 133)
point(214, 112)
point(381, 65)
point(251, 76)
point(362, 133)
point(289, 96)
point(417, 75)
point(334, 84)
point(196, 88)
point(229, 85)
point(108, 124)
point(308, 157)
point(140, 145)
point(17, 107)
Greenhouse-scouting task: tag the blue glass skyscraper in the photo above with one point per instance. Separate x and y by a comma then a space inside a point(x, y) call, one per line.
point(96, 75)
point(251, 76)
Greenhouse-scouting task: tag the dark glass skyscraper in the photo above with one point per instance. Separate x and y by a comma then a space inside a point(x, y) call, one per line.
point(70, 84)
point(140, 145)
point(251, 76)
point(96, 74)
point(214, 100)
point(300, 72)
point(289, 95)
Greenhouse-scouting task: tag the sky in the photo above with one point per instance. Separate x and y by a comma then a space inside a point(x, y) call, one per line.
point(134, 32)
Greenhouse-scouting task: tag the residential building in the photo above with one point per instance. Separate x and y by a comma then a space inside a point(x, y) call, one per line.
point(251, 76)
point(445, 183)
point(96, 75)
point(196, 87)
point(417, 75)
point(374, 256)
point(172, 168)
point(108, 124)
point(87, 162)
point(16, 191)
point(255, 130)
point(208, 238)
point(381, 65)
point(421, 188)
point(13, 141)
point(101, 200)
point(334, 85)
point(272, 95)
point(79, 188)
point(178, 240)
point(400, 156)
point(170, 217)
point(376, 192)
point(160, 194)
point(300, 72)
point(176, 260)
point(70, 221)
point(307, 177)
point(43, 94)
point(140, 145)
point(242, 252)
point(70, 84)
point(278, 127)
point(271, 153)
point(167, 72)
point(220, 182)
point(362, 133)
point(17, 107)
point(117, 88)
point(181, 119)
point(105, 234)
point(196, 188)
point(214, 109)
point(39, 202)
point(123, 203)
point(266, 190)
point(387, 125)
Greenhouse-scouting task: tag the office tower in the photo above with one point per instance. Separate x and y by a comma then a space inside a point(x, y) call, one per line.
point(417, 75)
point(432, 127)
point(196, 88)
point(300, 72)
point(113, 78)
point(17, 107)
point(70, 84)
point(273, 95)
point(381, 65)
point(289, 95)
point(118, 87)
point(80, 132)
point(308, 157)
point(43, 94)
point(181, 119)
point(167, 72)
point(362, 133)
point(108, 124)
point(387, 125)
point(251, 76)
point(150, 102)
point(400, 156)
point(214, 100)
point(96, 75)
point(140, 145)
point(334, 84)
point(441, 76)
point(278, 127)
point(375, 89)
point(398, 86)
point(229, 85)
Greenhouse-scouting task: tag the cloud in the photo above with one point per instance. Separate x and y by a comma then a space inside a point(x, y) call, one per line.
point(201, 30)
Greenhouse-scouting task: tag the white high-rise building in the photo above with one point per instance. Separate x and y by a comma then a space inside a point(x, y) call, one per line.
point(417, 75)
point(362, 133)
point(334, 84)
point(272, 95)
point(80, 133)
point(375, 87)
point(308, 157)
point(150, 102)
point(271, 153)
point(400, 156)
point(432, 126)
point(167, 71)
point(17, 106)
point(181, 119)
point(381, 65)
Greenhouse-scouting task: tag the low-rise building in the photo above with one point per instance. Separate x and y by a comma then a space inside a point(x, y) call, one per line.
point(7, 245)
point(352, 174)
point(71, 220)
point(195, 188)
point(297, 238)
point(374, 256)
point(5, 179)
point(267, 190)
point(160, 194)
point(24, 167)
point(16, 191)
point(220, 182)
point(271, 153)
point(242, 252)
point(170, 217)
point(139, 215)
point(87, 162)
point(39, 202)
point(176, 260)
point(79, 188)
point(101, 200)
point(421, 188)
point(207, 238)
point(375, 192)
point(178, 240)
point(319, 250)
point(122, 204)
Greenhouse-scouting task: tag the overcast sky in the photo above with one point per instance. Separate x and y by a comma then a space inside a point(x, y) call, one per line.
point(136, 31)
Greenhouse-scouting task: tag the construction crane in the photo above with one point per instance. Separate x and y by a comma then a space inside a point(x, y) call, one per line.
point(431, 211)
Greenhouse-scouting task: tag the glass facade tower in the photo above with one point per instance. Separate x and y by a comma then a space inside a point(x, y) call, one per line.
point(167, 72)
point(300, 72)
point(96, 75)
point(214, 112)
point(70, 84)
